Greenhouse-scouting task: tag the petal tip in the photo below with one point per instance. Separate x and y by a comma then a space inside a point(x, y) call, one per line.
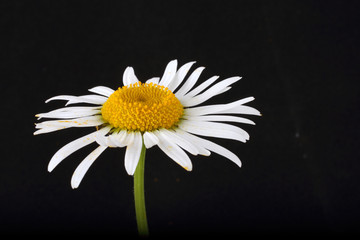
point(206, 154)
point(74, 182)
point(130, 171)
point(50, 168)
point(187, 168)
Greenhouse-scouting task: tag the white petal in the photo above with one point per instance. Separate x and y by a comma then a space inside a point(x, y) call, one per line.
point(68, 115)
point(179, 140)
point(55, 125)
point(114, 138)
point(218, 130)
point(154, 80)
point(75, 109)
point(174, 151)
point(105, 91)
point(242, 110)
point(218, 108)
point(214, 90)
point(123, 138)
point(224, 90)
point(224, 127)
point(191, 138)
point(129, 76)
point(217, 149)
point(150, 139)
point(70, 112)
point(77, 122)
point(47, 130)
point(179, 76)
point(169, 73)
point(120, 138)
point(110, 142)
point(61, 97)
point(85, 165)
point(190, 82)
point(100, 139)
point(73, 146)
point(126, 78)
point(129, 138)
point(220, 118)
point(223, 152)
point(201, 87)
point(132, 154)
point(91, 99)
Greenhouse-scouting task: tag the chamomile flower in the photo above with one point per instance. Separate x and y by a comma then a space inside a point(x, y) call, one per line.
point(162, 111)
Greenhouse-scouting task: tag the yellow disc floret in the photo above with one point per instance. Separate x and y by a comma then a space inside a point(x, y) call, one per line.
point(142, 107)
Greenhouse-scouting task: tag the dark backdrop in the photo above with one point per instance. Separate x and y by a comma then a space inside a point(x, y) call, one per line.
point(300, 59)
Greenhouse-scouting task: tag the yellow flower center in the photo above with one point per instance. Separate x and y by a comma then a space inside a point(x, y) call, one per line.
point(142, 107)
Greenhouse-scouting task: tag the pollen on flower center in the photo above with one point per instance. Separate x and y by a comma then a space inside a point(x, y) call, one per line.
point(142, 107)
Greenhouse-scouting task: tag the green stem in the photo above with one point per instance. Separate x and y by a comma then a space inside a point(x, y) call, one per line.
point(140, 196)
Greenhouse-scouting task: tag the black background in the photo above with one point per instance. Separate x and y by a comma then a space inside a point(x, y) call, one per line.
point(299, 59)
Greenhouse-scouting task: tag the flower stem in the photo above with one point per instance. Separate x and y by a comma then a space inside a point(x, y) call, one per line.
point(140, 196)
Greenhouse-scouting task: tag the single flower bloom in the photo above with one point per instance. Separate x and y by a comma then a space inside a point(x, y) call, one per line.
point(162, 112)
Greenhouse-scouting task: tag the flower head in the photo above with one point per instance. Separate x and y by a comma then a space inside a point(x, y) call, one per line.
point(160, 112)
point(142, 107)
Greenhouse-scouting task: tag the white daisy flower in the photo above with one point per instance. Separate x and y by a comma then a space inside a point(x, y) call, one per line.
point(162, 111)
